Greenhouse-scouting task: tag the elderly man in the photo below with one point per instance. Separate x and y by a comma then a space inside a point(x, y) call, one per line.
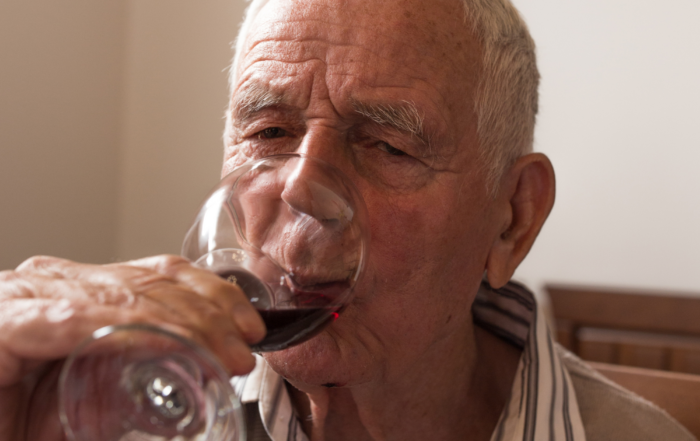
point(429, 107)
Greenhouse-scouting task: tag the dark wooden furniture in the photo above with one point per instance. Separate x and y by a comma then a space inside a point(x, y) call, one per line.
point(643, 329)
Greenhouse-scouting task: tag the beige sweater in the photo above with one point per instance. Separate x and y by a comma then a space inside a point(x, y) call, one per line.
point(611, 413)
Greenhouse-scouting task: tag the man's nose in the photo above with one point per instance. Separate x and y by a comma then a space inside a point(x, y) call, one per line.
point(315, 186)
point(316, 189)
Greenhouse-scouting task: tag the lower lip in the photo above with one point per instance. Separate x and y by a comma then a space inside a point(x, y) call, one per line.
point(287, 327)
point(319, 295)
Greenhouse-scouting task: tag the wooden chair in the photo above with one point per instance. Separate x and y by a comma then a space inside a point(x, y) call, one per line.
point(678, 394)
point(643, 329)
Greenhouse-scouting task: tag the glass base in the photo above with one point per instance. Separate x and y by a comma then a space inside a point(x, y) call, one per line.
point(140, 382)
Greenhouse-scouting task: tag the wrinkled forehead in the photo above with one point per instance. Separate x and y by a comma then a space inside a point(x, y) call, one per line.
point(437, 21)
point(430, 38)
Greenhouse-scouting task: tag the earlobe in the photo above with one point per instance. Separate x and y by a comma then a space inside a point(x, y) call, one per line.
point(526, 198)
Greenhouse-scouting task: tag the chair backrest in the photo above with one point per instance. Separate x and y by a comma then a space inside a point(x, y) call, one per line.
point(643, 329)
point(676, 393)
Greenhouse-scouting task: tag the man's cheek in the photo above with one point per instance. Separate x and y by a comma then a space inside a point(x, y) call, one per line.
point(398, 243)
point(233, 158)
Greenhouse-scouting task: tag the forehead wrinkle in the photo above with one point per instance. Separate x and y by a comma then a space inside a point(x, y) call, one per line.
point(435, 43)
point(350, 66)
point(285, 38)
point(439, 39)
point(275, 46)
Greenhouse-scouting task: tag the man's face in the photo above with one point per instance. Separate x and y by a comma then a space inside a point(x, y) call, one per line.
point(325, 78)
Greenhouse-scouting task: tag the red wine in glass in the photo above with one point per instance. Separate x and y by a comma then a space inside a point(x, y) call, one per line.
point(289, 325)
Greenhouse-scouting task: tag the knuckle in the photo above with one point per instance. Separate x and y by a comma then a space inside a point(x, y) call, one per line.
point(168, 260)
point(8, 275)
point(145, 281)
point(13, 286)
point(157, 263)
point(169, 263)
point(40, 262)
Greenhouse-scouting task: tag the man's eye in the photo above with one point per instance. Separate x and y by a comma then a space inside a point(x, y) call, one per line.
point(383, 146)
point(271, 133)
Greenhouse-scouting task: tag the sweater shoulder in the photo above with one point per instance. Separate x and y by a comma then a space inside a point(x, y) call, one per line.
point(610, 412)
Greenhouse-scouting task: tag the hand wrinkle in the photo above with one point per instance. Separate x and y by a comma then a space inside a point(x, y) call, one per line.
point(15, 287)
point(123, 298)
point(60, 312)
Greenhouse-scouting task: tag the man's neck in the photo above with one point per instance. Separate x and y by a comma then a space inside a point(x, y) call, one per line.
point(456, 392)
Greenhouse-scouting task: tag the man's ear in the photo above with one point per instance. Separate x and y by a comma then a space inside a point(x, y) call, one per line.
point(524, 200)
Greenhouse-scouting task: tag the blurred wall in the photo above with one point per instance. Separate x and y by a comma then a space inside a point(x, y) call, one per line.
point(176, 94)
point(111, 121)
point(61, 83)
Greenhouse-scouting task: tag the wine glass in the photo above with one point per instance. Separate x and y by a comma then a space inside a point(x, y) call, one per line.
point(291, 232)
point(142, 383)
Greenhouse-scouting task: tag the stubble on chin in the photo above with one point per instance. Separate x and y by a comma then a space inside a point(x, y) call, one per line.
point(318, 362)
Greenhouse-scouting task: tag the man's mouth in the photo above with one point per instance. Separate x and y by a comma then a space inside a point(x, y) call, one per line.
point(310, 293)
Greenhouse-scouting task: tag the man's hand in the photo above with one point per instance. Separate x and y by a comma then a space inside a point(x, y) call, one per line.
point(49, 305)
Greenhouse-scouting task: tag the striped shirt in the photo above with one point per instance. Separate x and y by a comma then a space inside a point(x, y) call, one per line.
point(542, 404)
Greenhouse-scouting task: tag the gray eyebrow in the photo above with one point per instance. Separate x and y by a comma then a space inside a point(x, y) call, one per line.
point(252, 100)
point(403, 117)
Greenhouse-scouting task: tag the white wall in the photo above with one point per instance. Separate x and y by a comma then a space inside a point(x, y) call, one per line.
point(620, 111)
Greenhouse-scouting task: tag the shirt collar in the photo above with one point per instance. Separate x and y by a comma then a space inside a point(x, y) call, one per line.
point(542, 404)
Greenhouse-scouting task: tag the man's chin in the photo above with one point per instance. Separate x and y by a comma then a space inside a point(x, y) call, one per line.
point(316, 362)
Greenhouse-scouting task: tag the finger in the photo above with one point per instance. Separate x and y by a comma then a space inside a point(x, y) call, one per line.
point(13, 286)
point(117, 278)
point(118, 284)
point(228, 296)
point(38, 263)
point(214, 326)
point(50, 328)
point(33, 286)
point(120, 294)
point(49, 277)
point(204, 283)
point(47, 265)
point(44, 329)
point(114, 285)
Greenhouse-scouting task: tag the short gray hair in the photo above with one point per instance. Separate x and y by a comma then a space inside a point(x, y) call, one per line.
point(506, 98)
point(505, 103)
